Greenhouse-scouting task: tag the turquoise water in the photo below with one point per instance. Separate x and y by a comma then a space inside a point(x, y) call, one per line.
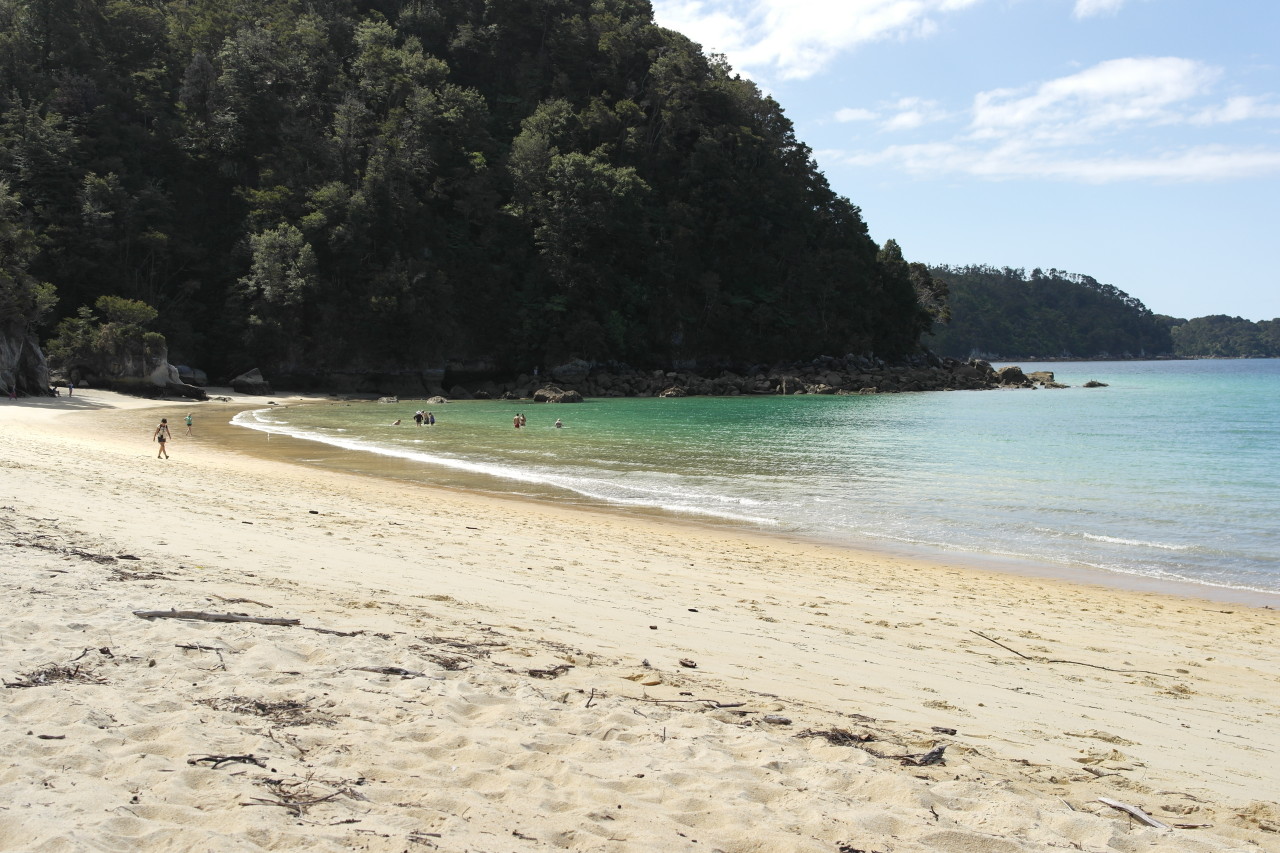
point(1171, 473)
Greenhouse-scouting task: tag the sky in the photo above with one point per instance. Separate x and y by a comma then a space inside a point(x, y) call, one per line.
point(1135, 141)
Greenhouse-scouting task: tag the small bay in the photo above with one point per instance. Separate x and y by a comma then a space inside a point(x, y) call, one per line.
point(1168, 474)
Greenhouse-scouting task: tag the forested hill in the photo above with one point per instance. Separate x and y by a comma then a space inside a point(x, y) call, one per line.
point(382, 185)
point(1008, 314)
point(1220, 336)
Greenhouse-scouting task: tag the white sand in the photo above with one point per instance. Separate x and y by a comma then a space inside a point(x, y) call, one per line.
point(1168, 704)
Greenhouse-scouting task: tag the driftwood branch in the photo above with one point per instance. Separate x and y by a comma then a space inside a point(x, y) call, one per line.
point(213, 617)
point(1134, 811)
point(216, 761)
point(1074, 662)
point(711, 702)
point(391, 670)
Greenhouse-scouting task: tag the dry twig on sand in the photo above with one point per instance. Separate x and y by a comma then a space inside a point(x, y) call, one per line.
point(1073, 662)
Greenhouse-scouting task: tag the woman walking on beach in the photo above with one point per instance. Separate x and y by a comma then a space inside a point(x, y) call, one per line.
point(162, 435)
point(189, 423)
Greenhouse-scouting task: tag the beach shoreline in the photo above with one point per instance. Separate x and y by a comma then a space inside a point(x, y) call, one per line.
point(512, 675)
point(316, 453)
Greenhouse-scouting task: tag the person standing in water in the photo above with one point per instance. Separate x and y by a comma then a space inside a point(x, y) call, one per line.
point(162, 435)
point(189, 422)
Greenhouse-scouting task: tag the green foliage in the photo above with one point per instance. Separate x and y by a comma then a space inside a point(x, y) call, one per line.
point(111, 343)
point(1220, 336)
point(1005, 313)
point(399, 184)
point(23, 298)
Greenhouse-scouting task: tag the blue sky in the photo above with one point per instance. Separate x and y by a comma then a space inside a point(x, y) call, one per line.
point(1136, 141)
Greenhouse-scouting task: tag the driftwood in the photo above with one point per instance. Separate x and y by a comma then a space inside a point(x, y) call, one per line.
point(1134, 811)
point(333, 632)
point(838, 737)
point(711, 702)
point(213, 617)
point(391, 670)
point(933, 756)
point(216, 761)
point(1073, 662)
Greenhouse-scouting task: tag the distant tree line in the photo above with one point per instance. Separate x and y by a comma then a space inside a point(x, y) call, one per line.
point(1220, 336)
point(1007, 313)
point(386, 184)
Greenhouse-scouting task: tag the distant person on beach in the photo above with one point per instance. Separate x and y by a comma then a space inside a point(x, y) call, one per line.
point(417, 417)
point(71, 387)
point(396, 422)
point(522, 420)
point(162, 435)
point(189, 422)
point(516, 420)
point(559, 424)
point(431, 419)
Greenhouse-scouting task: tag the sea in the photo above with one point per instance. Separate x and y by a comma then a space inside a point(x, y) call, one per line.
point(1167, 478)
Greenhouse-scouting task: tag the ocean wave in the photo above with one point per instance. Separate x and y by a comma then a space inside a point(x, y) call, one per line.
point(631, 494)
point(1116, 540)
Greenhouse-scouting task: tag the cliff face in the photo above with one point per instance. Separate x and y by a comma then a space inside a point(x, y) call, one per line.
point(22, 364)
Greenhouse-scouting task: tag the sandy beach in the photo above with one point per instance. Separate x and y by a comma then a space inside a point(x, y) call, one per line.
point(412, 668)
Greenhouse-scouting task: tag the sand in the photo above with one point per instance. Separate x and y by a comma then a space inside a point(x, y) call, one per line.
point(475, 674)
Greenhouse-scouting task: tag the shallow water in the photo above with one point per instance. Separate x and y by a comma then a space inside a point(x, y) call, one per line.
point(1169, 474)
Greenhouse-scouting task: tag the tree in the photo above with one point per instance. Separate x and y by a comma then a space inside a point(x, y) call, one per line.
point(24, 299)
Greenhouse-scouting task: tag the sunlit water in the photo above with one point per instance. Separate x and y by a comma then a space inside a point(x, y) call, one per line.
point(1170, 473)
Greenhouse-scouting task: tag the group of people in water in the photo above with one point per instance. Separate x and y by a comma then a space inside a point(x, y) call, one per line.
point(429, 419)
point(519, 421)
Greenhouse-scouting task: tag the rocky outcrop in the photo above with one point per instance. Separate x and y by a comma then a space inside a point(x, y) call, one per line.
point(553, 394)
point(851, 374)
point(1012, 376)
point(251, 382)
point(22, 365)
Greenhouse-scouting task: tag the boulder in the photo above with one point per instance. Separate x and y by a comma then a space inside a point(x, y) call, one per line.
point(22, 364)
point(192, 375)
point(674, 391)
point(1093, 383)
point(437, 400)
point(1012, 376)
point(553, 394)
point(251, 382)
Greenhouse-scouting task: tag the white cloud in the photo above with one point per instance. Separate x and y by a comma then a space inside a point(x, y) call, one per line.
point(1104, 98)
point(1089, 8)
point(1072, 127)
point(850, 114)
point(1204, 163)
point(911, 113)
point(1240, 108)
point(796, 39)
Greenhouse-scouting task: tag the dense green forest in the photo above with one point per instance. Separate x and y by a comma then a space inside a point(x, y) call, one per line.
point(1008, 314)
point(393, 184)
point(1220, 336)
